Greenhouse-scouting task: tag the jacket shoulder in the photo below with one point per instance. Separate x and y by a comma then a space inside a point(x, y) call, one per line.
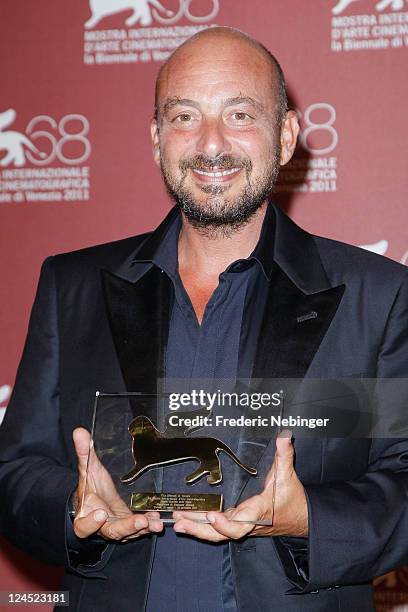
point(109, 254)
point(345, 262)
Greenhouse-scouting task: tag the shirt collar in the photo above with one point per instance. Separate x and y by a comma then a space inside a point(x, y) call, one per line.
point(166, 255)
point(161, 246)
point(263, 252)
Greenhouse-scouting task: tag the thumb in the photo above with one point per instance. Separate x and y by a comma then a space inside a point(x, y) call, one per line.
point(82, 443)
point(284, 450)
point(245, 513)
point(283, 460)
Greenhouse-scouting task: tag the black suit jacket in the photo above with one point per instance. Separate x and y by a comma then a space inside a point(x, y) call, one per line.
point(96, 325)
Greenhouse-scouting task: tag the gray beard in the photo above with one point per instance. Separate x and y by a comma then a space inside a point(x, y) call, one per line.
point(219, 215)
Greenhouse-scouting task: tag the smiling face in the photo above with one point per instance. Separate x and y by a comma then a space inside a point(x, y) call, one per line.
point(216, 136)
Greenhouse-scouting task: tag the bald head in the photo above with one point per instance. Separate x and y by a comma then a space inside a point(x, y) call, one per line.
point(213, 42)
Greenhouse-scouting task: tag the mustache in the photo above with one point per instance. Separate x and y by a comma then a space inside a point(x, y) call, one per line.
point(222, 162)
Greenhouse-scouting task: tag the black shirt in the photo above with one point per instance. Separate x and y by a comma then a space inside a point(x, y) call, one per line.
point(190, 575)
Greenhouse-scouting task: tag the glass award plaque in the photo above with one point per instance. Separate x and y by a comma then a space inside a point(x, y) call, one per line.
point(193, 451)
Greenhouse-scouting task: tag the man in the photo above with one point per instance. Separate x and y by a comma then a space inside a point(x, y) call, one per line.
point(223, 288)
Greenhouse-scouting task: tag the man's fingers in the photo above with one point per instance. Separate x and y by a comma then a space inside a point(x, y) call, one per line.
point(197, 530)
point(187, 523)
point(154, 526)
point(251, 510)
point(234, 525)
point(128, 528)
point(116, 528)
point(219, 529)
point(191, 515)
point(91, 523)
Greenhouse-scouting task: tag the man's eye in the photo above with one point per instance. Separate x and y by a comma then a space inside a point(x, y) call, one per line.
point(241, 116)
point(183, 117)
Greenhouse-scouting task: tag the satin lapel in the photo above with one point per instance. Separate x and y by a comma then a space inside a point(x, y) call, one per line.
point(138, 314)
point(138, 307)
point(294, 324)
point(139, 318)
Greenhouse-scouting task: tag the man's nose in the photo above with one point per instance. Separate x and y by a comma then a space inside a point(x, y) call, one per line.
point(212, 140)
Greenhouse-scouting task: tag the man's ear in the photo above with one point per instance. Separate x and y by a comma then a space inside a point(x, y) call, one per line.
point(288, 138)
point(154, 131)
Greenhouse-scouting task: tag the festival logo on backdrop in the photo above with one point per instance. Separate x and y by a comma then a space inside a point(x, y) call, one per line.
point(45, 161)
point(14, 143)
point(140, 31)
point(365, 25)
point(141, 11)
point(314, 165)
point(380, 247)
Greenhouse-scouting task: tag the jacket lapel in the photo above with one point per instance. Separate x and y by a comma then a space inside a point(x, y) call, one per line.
point(300, 307)
point(137, 299)
point(293, 326)
point(138, 317)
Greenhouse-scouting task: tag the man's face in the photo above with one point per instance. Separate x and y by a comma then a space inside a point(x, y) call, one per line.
point(216, 138)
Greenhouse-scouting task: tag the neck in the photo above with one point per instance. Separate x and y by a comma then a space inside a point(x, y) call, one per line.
point(209, 254)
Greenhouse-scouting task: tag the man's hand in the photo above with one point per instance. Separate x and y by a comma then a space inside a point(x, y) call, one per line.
point(99, 507)
point(289, 516)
